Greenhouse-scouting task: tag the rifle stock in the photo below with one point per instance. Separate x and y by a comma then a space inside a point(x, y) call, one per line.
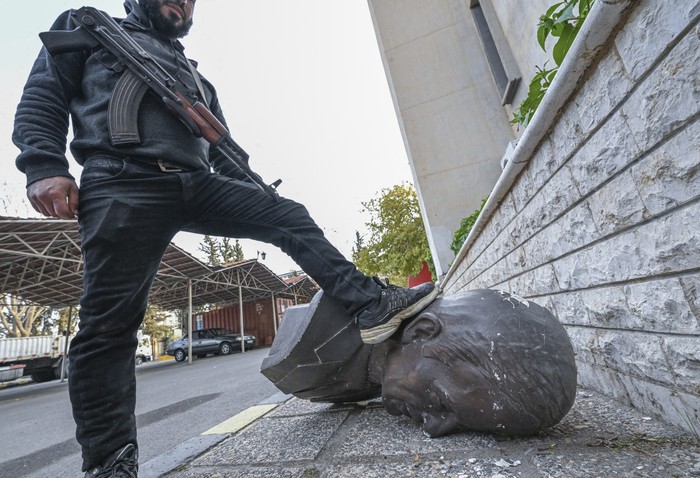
point(142, 73)
point(58, 42)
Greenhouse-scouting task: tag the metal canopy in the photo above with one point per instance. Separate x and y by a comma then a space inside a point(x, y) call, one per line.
point(221, 287)
point(302, 286)
point(40, 260)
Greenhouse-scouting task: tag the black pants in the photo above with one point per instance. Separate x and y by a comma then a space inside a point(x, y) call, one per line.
point(129, 213)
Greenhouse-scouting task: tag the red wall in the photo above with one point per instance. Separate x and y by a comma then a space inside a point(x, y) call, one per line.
point(257, 319)
point(423, 276)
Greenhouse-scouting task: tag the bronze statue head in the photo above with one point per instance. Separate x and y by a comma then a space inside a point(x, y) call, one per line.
point(481, 360)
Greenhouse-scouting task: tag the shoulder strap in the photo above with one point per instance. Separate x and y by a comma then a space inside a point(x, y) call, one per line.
point(197, 80)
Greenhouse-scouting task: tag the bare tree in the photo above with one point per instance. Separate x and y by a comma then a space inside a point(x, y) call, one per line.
point(13, 202)
point(19, 318)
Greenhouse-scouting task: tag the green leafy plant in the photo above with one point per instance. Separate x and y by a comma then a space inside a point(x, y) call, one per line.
point(465, 228)
point(563, 21)
point(538, 87)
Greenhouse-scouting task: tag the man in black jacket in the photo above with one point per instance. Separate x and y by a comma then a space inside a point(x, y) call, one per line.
point(134, 198)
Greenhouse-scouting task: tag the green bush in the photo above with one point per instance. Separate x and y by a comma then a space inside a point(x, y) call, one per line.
point(465, 227)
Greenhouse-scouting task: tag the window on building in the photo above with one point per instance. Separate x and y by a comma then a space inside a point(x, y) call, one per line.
point(503, 68)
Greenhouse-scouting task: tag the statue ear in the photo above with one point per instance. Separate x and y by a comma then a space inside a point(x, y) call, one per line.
point(424, 327)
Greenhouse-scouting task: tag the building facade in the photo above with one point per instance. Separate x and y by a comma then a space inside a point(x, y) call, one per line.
point(454, 117)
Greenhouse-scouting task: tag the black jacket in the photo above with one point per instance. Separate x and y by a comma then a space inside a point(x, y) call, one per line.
point(79, 85)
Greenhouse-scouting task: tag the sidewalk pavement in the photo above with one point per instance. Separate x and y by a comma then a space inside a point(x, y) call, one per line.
point(300, 439)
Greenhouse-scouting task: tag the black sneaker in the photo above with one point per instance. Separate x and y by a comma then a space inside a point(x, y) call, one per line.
point(379, 321)
point(124, 463)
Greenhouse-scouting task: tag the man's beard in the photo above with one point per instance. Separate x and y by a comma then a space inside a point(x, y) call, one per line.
point(163, 24)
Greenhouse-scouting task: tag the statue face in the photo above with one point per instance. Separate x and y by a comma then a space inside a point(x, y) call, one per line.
point(438, 397)
point(483, 361)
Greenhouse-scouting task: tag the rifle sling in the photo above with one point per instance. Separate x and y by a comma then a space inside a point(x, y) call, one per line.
point(197, 80)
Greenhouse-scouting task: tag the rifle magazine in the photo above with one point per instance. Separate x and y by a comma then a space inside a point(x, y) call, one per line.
point(124, 109)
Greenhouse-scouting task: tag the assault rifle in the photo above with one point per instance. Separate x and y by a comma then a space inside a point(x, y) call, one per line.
point(143, 73)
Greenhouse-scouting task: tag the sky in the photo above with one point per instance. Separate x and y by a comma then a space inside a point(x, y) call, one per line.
point(303, 90)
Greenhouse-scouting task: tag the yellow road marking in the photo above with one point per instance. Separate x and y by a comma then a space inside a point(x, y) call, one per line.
point(241, 420)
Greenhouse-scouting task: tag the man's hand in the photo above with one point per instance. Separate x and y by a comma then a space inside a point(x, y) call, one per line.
point(54, 197)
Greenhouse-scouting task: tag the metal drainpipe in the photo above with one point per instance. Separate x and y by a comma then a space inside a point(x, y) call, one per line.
point(595, 32)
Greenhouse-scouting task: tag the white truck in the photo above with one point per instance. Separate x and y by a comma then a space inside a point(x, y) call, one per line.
point(144, 351)
point(41, 357)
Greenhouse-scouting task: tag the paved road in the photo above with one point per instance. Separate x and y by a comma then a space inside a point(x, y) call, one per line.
point(174, 402)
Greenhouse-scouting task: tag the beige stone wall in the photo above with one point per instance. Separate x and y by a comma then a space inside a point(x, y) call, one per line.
point(603, 225)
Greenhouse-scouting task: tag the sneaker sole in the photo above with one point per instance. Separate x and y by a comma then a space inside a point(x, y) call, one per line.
point(382, 332)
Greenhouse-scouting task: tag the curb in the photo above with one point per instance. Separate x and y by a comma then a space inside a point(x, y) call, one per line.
point(16, 383)
point(195, 446)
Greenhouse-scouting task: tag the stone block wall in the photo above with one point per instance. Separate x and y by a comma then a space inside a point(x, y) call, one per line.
point(603, 225)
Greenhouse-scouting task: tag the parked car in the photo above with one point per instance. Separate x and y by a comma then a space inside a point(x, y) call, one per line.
point(215, 341)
